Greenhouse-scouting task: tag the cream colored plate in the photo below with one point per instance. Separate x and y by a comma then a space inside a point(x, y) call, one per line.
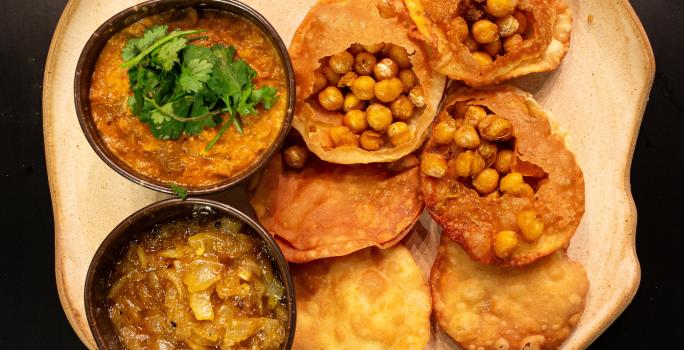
point(598, 96)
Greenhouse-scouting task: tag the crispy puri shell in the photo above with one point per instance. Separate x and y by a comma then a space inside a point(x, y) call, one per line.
point(546, 46)
point(372, 299)
point(472, 221)
point(329, 209)
point(493, 308)
point(330, 27)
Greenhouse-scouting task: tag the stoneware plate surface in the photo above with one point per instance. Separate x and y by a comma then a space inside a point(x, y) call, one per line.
point(597, 97)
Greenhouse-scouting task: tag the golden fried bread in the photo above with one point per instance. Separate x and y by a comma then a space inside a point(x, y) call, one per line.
point(372, 299)
point(500, 308)
point(498, 179)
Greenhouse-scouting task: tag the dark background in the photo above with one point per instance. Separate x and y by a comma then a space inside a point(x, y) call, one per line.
point(32, 318)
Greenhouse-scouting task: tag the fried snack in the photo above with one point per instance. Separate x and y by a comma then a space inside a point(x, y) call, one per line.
point(329, 209)
point(486, 42)
point(372, 299)
point(347, 57)
point(498, 179)
point(500, 308)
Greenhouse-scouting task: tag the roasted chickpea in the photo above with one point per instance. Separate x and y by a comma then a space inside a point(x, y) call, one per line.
point(460, 28)
point(501, 8)
point(513, 42)
point(492, 49)
point(331, 98)
point(330, 75)
point(399, 55)
point(531, 227)
point(473, 115)
point(485, 31)
point(352, 102)
point(355, 120)
point(443, 133)
point(417, 96)
point(488, 151)
point(374, 48)
point(364, 63)
point(363, 88)
point(486, 181)
point(385, 69)
point(507, 26)
point(505, 243)
point(433, 165)
point(388, 90)
point(408, 78)
point(341, 62)
point(356, 48)
point(371, 140)
point(379, 117)
point(482, 58)
point(504, 160)
point(469, 163)
point(470, 43)
point(495, 128)
point(320, 82)
point(466, 137)
point(399, 133)
point(402, 108)
point(347, 80)
point(341, 136)
point(296, 156)
point(523, 23)
point(514, 184)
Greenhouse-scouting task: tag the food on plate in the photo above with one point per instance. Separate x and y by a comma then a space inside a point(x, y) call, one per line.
point(484, 42)
point(499, 179)
point(202, 282)
point(500, 308)
point(372, 299)
point(365, 91)
point(320, 209)
point(189, 97)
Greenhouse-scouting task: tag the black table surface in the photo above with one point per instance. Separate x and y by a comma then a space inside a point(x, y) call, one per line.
point(31, 315)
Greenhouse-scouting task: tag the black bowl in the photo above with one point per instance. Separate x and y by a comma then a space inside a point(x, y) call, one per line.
point(115, 244)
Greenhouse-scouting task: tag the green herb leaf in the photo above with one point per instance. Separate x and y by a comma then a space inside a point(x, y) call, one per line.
point(194, 74)
point(136, 45)
point(166, 56)
point(180, 191)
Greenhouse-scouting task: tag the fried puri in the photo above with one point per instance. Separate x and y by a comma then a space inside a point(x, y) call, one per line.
point(498, 179)
point(486, 42)
point(500, 308)
point(372, 299)
point(365, 90)
point(323, 209)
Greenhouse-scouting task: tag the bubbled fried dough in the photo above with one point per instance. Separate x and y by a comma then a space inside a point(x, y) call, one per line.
point(476, 220)
point(501, 308)
point(372, 299)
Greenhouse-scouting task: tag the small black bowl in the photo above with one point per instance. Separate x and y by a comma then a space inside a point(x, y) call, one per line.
point(92, 49)
point(115, 244)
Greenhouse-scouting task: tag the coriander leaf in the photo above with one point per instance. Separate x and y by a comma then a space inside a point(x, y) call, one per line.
point(194, 74)
point(138, 58)
point(198, 109)
point(266, 95)
point(180, 191)
point(159, 116)
point(136, 45)
point(166, 56)
point(197, 52)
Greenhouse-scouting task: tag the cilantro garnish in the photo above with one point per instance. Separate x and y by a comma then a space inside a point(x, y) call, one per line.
point(180, 88)
point(181, 192)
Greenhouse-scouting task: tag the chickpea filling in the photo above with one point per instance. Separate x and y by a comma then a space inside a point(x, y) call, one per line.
point(376, 89)
point(490, 28)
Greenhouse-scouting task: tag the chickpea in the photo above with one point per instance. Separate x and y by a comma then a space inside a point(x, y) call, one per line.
point(495, 128)
point(523, 23)
point(330, 75)
point(402, 108)
point(356, 48)
point(466, 137)
point(514, 184)
point(486, 181)
point(341, 62)
point(482, 58)
point(371, 140)
point(363, 88)
point(342, 136)
point(296, 156)
point(470, 43)
point(488, 151)
point(493, 48)
point(364, 63)
point(443, 133)
point(469, 163)
point(388, 90)
point(399, 133)
point(347, 80)
point(374, 48)
point(331, 98)
point(460, 28)
point(352, 102)
point(355, 120)
point(379, 117)
point(385, 69)
point(385, 50)
point(501, 8)
point(417, 96)
point(408, 78)
point(530, 226)
point(507, 26)
point(485, 31)
point(473, 115)
point(513, 42)
point(505, 243)
point(504, 160)
point(398, 54)
point(320, 82)
point(433, 165)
